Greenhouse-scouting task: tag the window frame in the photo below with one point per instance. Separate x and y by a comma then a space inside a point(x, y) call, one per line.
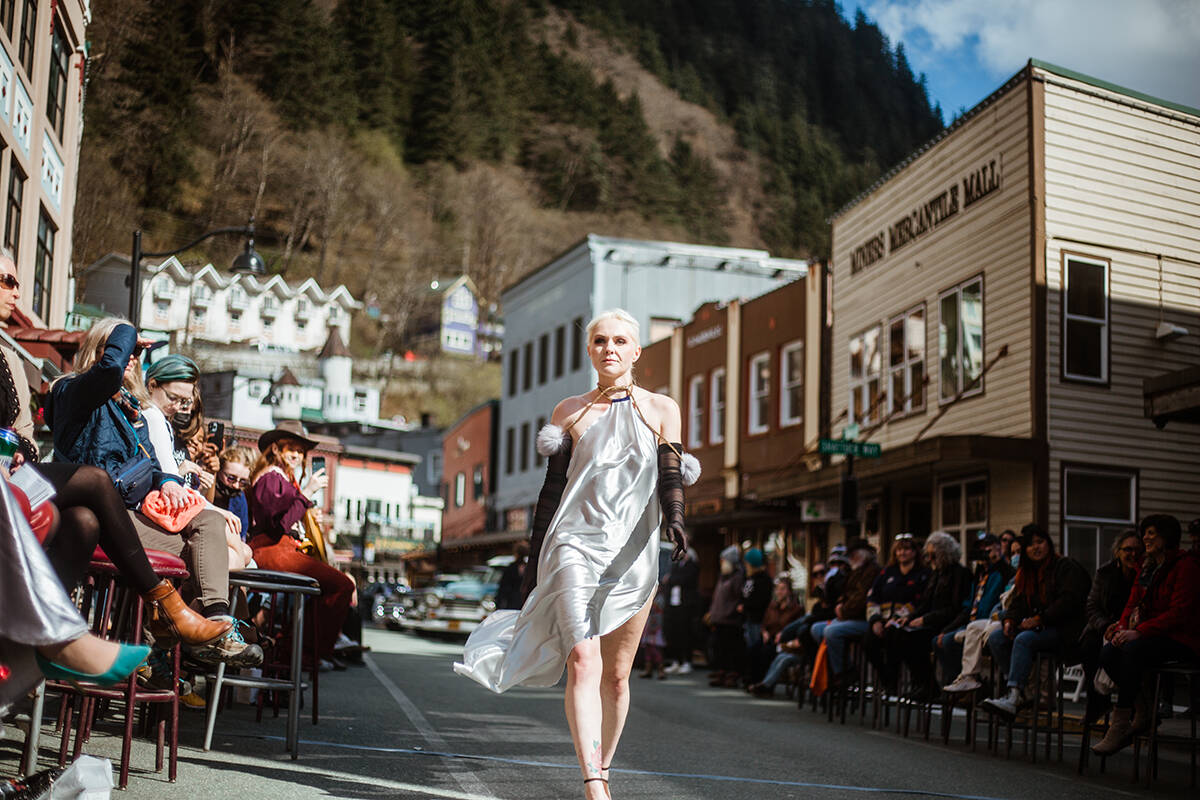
point(527, 367)
point(960, 530)
point(957, 290)
point(478, 490)
point(27, 37)
point(854, 384)
point(8, 12)
point(716, 415)
point(1067, 521)
point(460, 489)
point(696, 408)
point(523, 455)
point(43, 267)
point(906, 364)
point(58, 81)
point(14, 211)
point(510, 444)
point(538, 459)
point(755, 426)
point(788, 420)
point(543, 370)
point(560, 344)
point(577, 331)
point(1106, 336)
point(514, 371)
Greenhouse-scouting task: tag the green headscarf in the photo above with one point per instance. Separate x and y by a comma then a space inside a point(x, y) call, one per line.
point(173, 368)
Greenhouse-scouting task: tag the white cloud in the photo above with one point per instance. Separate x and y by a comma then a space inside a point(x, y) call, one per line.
point(1152, 46)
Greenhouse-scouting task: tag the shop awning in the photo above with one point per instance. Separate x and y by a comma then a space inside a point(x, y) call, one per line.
point(484, 540)
point(1173, 397)
point(918, 456)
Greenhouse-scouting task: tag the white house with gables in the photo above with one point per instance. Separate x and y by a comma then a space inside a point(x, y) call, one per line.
point(207, 304)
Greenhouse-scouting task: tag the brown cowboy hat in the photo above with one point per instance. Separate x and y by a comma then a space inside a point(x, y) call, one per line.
point(288, 429)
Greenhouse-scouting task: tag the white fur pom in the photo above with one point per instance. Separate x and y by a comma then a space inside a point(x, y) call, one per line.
point(550, 440)
point(689, 466)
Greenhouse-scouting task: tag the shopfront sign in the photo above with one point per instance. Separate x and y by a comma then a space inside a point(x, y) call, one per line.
point(982, 180)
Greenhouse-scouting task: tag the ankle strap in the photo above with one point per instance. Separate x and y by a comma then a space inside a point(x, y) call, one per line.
point(589, 780)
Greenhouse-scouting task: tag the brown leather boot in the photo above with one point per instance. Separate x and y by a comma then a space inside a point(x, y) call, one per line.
point(169, 618)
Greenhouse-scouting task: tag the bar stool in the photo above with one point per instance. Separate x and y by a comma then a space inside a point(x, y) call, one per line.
point(117, 612)
point(281, 586)
point(1164, 676)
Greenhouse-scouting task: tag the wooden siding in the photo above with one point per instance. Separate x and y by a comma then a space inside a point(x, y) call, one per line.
point(991, 237)
point(1010, 497)
point(1120, 174)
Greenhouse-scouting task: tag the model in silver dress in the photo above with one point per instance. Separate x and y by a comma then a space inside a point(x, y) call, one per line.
point(614, 480)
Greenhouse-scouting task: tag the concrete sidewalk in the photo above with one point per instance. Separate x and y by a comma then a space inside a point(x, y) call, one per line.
point(248, 759)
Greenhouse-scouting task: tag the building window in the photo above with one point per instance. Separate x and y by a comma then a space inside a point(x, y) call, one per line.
point(760, 392)
point(864, 377)
point(964, 507)
point(527, 375)
point(460, 489)
point(543, 358)
point(1085, 320)
point(560, 344)
point(433, 466)
point(56, 91)
point(43, 266)
point(906, 362)
point(960, 340)
point(28, 32)
point(16, 194)
point(791, 384)
point(1098, 505)
point(509, 448)
point(514, 372)
point(577, 344)
point(716, 421)
point(695, 435)
point(524, 446)
point(477, 481)
point(7, 12)
point(538, 459)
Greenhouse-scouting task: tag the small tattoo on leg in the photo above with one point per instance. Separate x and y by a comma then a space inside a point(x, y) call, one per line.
point(595, 760)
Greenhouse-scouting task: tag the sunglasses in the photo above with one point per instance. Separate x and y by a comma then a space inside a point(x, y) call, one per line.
point(10, 282)
point(238, 483)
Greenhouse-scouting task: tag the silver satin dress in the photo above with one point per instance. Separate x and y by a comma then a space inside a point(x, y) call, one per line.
point(598, 565)
point(34, 609)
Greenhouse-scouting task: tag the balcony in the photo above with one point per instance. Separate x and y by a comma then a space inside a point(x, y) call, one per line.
point(270, 308)
point(237, 300)
point(164, 290)
point(303, 310)
point(201, 298)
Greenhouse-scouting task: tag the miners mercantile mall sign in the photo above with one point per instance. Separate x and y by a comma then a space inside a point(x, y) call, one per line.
point(982, 181)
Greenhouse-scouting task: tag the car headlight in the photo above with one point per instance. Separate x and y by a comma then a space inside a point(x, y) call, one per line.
point(433, 601)
point(488, 604)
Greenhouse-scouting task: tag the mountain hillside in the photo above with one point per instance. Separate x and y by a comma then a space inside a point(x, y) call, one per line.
point(382, 143)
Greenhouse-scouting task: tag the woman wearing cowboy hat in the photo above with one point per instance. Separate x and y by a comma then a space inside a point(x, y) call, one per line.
point(277, 504)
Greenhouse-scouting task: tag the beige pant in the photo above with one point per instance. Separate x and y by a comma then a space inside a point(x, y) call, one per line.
point(201, 544)
point(975, 644)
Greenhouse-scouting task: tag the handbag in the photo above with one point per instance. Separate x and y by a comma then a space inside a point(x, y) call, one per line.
point(134, 479)
point(156, 509)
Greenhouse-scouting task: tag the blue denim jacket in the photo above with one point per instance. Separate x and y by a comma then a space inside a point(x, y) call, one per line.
point(88, 425)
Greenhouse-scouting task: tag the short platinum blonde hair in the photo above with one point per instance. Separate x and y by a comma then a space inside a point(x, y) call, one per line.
point(621, 315)
point(946, 549)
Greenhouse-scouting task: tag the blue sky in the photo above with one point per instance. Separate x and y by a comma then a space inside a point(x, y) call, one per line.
point(968, 48)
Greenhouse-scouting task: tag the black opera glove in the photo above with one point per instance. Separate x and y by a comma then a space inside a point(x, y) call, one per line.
point(547, 504)
point(670, 497)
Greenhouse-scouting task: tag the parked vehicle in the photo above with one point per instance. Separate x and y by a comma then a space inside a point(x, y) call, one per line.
point(455, 603)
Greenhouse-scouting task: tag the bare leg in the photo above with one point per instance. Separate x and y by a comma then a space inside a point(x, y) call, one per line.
point(617, 650)
point(584, 715)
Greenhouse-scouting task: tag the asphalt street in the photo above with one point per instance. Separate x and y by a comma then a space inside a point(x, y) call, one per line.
point(406, 726)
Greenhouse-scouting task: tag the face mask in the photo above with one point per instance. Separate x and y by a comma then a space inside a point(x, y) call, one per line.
point(224, 491)
point(181, 419)
point(1015, 560)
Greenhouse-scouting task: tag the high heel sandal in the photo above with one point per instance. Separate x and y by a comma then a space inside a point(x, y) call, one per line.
point(130, 657)
point(602, 780)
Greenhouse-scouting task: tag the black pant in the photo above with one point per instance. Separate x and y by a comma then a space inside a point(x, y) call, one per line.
point(728, 648)
point(92, 513)
point(677, 629)
point(1128, 663)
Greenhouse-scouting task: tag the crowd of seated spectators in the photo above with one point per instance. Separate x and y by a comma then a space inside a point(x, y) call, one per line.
point(133, 470)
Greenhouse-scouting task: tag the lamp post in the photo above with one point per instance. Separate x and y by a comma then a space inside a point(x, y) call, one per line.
point(248, 262)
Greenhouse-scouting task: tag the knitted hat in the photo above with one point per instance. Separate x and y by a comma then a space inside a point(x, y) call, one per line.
point(731, 554)
point(754, 557)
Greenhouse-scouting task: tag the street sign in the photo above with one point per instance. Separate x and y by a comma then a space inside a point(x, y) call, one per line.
point(840, 447)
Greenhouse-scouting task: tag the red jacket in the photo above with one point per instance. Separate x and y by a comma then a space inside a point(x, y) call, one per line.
point(1170, 606)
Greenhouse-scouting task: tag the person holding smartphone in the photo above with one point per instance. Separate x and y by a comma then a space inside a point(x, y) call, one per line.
point(232, 481)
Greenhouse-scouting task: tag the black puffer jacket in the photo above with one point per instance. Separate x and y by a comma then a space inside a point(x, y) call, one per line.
point(945, 595)
point(1060, 604)
point(1106, 600)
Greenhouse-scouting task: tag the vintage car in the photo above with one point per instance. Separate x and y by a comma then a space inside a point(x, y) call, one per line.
point(455, 603)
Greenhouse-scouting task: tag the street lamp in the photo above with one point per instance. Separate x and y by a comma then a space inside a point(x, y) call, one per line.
point(248, 262)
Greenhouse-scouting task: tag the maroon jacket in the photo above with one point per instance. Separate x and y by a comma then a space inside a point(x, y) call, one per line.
point(275, 505)
point(1170, 605)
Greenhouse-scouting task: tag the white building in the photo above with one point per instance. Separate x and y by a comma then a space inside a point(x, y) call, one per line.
point(209, 305)
point(545, 359)
point(376, 500)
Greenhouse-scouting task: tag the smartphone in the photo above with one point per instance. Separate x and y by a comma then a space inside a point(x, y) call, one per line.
point(216, 434)
point(318, 463)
